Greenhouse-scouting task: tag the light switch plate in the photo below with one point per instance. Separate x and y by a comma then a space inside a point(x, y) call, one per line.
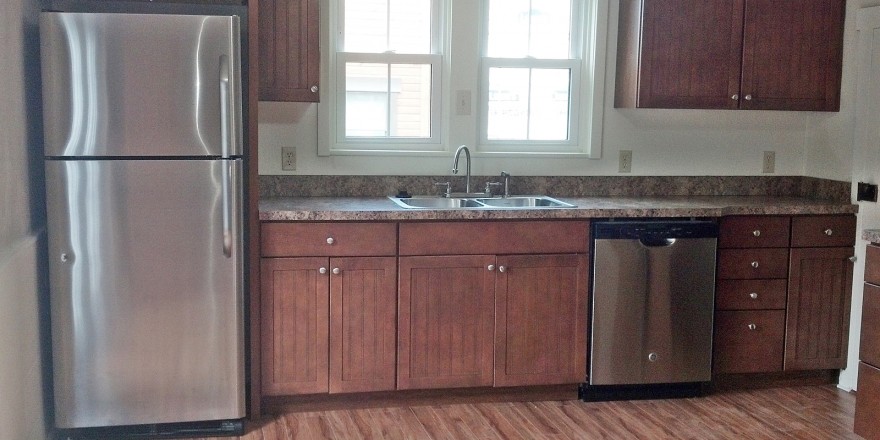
point(462, 102)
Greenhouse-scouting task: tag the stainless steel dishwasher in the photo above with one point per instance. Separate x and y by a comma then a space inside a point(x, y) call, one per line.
point(652, 308)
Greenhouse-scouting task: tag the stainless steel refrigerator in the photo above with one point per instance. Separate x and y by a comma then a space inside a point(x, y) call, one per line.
point(143, 156)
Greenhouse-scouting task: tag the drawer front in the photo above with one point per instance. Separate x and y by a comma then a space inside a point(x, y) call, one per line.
point(868, 402)
point(823, 231)
point(751, 294)
point(330, 239)
point(869, 348)
point(487, 238)
point(749, 341)
point(752, 263)
point(872, 265)
point(754, 232)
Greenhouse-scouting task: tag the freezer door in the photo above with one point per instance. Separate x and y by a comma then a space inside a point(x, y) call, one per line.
point(146, 291)
point(141, 85)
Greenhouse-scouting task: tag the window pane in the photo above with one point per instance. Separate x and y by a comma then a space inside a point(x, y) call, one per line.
point(536, 28)
point(366, 100)
point(381, 105)
point(528, 104)
point(377, 26)
point(548, 108)
point(411, 100)
point(508, 104)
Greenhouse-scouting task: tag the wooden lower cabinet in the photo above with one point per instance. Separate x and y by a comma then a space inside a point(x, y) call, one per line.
point(817, 322)
point(868, 402)
point(749, 341)
point(445, 322)
point(328, 324)
point(540, 320)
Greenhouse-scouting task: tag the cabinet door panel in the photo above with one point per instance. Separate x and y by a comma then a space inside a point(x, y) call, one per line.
point(363, 315)
point(445, 319)
point(869, 344)
point(540, 320)
point(749, 341)
point(792, 54)
point(818, 310)
point(868, 402)
point(295, 323)
point(691, 53)
point(289, 50)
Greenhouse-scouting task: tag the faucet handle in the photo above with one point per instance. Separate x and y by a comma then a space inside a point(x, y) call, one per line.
point(489, 186)
point(448, 187)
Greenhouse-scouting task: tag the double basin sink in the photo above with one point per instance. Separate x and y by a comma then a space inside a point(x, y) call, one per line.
point(517, 202)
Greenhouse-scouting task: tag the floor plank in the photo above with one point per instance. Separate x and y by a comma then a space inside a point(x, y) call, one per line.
point(804, 413)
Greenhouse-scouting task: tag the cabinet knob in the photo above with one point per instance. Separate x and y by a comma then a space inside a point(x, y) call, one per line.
point(756, 232)
point(330, 240)
point(490, 267)
point(753, 327)
point(829, 232)
point(65, 258)
point(753, 295)
point(501, 269)
point(748, 97)
point(313, 89)
point(322, 270)
point(755, 264)
point(853, 258)
point(735, 97)
point(336, 271)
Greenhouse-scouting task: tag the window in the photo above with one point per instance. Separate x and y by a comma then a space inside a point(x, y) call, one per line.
point(388, 74)
point(505, 77)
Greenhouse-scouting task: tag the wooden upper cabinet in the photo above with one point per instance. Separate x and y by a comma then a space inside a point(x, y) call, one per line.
point(730, 54)
point(289, 50)
point(541, 320)
point(792, 55)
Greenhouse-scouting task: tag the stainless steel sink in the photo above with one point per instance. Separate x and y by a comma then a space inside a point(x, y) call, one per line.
point(512, 202)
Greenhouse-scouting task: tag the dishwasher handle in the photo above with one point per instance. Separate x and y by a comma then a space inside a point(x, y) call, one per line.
point(656, 241)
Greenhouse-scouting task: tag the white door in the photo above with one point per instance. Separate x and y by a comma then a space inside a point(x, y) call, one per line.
point(866, 165)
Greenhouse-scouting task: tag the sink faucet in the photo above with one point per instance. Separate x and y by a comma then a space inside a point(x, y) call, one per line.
point(467, 156)
point(506, 177)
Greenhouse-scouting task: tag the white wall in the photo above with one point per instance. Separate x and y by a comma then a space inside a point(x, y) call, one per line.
point(21, 225)
point(664, 142)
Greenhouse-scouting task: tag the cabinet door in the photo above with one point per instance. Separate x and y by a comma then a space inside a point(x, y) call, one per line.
point(792, 55)
point(817, 322)
point(295, 322)
point(690, 55)
point(445, 319)
point(363, 324)
point(540, 320)
point(289, 50)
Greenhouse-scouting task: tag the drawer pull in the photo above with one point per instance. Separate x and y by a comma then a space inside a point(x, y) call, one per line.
point(501, 269)
point(829, 232)
point(330, 240)
point(753, 295)
point(755, 264)
point(756, 232)
point(853, 258)
point(491, 267)
point(753, 327)
point(322, 270)
point(336, 271)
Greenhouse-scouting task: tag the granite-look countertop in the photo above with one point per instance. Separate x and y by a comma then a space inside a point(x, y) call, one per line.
point(376, 208)
point(872, 235)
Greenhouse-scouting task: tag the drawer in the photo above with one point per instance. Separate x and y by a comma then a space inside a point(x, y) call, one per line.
point(749, 341)
point(868, 402)
point(872, 264)
point(489, 238)
point(329, 239)
point(869, 346)
point(752, 263)
point(750, 294)
point(754, 232)
point(823, 230)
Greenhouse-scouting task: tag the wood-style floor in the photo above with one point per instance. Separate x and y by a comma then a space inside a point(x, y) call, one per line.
point(804, 413)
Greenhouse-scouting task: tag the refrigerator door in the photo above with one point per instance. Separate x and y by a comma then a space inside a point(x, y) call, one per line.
point(127, 85)
point(146, 291)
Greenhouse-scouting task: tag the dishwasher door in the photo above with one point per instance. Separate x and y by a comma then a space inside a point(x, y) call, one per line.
point(653, 302)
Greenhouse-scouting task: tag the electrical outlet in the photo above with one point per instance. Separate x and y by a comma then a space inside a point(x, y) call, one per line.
point(288, 158)
point(463, 103)
point(626, 161)
point(769, 164)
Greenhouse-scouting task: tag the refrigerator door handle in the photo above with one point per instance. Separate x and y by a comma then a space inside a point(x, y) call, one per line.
point(228, 236)
point(226, 122)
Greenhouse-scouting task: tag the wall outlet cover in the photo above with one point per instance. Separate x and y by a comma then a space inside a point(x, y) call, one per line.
point(769, 163)
point(626, 161)
point(288, 158)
